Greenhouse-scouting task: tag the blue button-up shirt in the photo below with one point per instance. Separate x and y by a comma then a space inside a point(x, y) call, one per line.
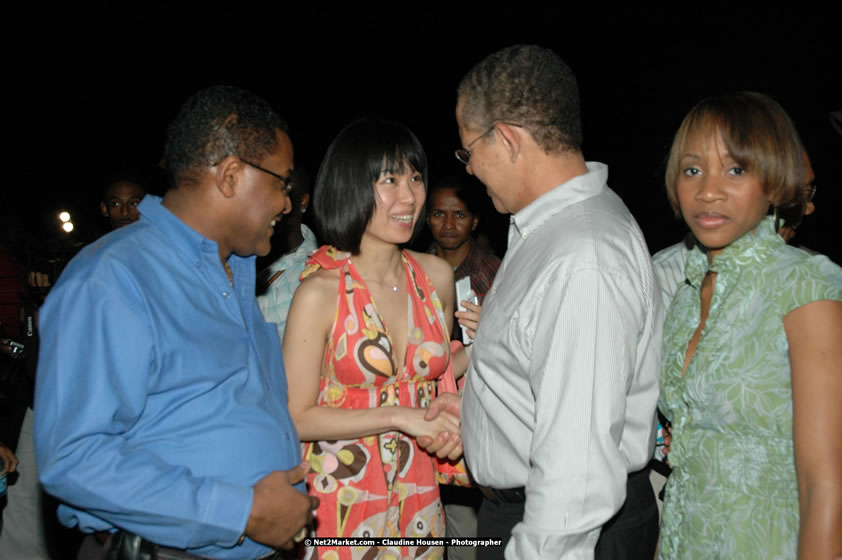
point(161, 393)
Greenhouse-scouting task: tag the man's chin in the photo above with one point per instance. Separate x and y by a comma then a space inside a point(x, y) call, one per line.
point(451, 245)
point(260, 251)
point(498, 205)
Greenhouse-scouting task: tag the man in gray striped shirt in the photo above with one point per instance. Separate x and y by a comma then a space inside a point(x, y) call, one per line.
point(559, 407)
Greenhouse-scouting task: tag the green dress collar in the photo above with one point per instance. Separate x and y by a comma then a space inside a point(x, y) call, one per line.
point(752, 248)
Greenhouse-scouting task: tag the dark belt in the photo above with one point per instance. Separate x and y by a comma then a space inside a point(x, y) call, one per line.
point(518, 495)
point(129, 546)
point(504, 495)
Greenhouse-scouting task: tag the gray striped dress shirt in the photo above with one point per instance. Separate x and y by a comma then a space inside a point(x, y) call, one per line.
point(563, 382)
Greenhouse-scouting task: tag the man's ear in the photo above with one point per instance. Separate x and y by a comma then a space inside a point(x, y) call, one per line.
point(104, 209)
point(229, 172)
point(511, 138)
point(474, 223)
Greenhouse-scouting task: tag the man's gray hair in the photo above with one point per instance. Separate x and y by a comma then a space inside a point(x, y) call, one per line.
point(529, 86)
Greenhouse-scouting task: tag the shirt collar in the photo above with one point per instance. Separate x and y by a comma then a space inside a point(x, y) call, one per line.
point(301, 253)
point(567, 194)
point(753, 247)
point(194, 246)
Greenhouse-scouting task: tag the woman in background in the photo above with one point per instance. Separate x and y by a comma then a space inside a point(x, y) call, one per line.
point(752, 366)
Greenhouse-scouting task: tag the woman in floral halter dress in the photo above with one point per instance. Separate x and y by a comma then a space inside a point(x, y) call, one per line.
point(366, 340)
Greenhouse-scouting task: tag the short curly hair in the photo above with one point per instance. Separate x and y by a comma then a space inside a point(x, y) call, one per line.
point(530, 86)
point(214, 123)
point(760, 137)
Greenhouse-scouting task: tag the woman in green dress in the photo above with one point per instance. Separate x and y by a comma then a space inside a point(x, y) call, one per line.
point(752, 365)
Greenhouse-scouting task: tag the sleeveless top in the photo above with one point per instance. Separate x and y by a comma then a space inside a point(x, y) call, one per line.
point(733, 490)
point(383, 485)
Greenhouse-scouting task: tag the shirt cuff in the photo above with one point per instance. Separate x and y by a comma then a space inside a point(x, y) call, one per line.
point(530, 544)
point(226, 515)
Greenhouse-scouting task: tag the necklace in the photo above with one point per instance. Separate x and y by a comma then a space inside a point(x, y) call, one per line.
point(394, 286)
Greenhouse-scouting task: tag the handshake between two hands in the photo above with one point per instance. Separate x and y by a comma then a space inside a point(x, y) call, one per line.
point(447, 444)
point(280, 513)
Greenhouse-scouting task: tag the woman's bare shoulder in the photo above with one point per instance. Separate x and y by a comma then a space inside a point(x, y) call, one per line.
point(437, 269)
point(315, 297)
point(320, 282)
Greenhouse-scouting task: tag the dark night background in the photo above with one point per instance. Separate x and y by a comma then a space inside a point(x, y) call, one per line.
point(89, 98)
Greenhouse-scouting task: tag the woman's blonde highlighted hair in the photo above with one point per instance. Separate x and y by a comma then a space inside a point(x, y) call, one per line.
point(760, 137)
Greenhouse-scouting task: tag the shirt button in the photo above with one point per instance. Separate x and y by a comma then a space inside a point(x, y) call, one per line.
point(225, 294)
point(198, 264)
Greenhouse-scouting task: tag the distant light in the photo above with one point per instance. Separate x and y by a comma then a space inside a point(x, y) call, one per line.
point(64, 217)
point(67, 226)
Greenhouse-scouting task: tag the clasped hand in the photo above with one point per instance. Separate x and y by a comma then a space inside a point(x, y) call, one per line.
point(443, 445)
point(420, 427)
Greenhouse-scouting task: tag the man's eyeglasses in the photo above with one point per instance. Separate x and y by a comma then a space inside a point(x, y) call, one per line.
point(286, 181)
point(464, 154)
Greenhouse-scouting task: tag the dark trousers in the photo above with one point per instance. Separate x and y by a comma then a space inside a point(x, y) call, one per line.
point(631, 534)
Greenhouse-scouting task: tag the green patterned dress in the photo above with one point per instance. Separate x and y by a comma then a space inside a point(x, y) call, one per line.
point(733, 492)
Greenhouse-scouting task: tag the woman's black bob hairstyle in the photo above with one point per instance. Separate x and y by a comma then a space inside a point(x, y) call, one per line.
point(343, 198)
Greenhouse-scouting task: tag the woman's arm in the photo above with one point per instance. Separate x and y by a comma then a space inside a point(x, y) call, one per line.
point(309, 323)
point(814, 333)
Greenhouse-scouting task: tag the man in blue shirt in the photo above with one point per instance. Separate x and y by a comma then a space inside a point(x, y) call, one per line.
point(161, 394)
